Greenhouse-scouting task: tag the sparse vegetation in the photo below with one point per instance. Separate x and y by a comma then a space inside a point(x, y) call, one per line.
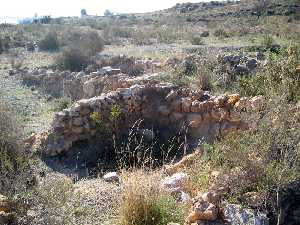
point(277, 78)
point(197, 41)
point(50, 42)
point(245, 47)
point(76, 55)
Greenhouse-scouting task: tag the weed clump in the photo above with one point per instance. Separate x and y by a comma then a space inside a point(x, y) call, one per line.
point(13, 162)
point(144, 203)
point(77, 54)
point(197, 41)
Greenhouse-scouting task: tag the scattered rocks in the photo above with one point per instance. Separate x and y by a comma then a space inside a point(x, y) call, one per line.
point(236, 215)
point(159, 104)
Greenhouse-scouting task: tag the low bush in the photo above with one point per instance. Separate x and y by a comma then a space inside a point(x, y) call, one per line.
point(144, 203)
point(197, 41)
point(62, 103)
point(72, 59)
point(13, 162)
point(77, 54)
point(262, 159)
point(221, 33)
point(49, 43)
point(268, 41)
point(277, 78)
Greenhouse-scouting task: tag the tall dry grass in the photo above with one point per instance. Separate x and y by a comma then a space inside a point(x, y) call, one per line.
point(144, 203)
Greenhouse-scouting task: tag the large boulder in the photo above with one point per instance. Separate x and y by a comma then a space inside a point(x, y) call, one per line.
point(237, 215)
point(202, 210)
point(251, 64)
point(175, 182)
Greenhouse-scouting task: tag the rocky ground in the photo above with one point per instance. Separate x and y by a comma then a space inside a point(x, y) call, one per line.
point(176, 80)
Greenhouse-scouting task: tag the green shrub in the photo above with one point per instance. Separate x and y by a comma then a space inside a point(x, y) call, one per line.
point(197, 41)
point(62, 103)
point(76, 55)
point(115, 114)
point(10, 136)
point(72, 59)
point(268, 41)
point(263, 158)
point(277, 78)
point(221, 33)
point(13, 162)
point(49, 43)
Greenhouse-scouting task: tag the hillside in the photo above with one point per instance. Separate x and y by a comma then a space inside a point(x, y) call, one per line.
point(187, 115)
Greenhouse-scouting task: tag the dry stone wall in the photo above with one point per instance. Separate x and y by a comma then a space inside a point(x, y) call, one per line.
point(80, 85)
point(162, 105)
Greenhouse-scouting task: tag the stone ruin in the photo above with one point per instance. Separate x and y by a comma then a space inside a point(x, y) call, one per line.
point(162, 106)
point(84, 84)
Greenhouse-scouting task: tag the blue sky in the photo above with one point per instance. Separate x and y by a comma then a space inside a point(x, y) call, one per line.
point(27, 8)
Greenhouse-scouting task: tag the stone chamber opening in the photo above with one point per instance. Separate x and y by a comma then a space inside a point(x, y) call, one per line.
point(143, 145)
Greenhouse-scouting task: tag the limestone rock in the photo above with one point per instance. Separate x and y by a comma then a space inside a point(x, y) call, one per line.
point(111, 177)
point(186, 104)
point(175, 182)
point(236, 215)
point(211, 197)
point(257, 103)
point(4, 203)
point(202, 210)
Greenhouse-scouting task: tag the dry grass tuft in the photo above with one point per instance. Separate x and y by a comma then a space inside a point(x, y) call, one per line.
point(145, 203)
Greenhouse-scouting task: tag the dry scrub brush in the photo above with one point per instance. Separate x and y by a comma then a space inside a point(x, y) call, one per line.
point(144, 203)
point(12, 158)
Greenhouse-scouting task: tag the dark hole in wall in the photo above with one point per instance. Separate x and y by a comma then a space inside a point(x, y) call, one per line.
point(143, 146)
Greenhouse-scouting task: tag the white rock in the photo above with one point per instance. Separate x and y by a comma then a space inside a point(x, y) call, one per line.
point(236, 215)
point(111, 177)
point(175, 182)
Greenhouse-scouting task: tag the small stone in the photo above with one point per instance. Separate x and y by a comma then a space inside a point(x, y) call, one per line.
point(77, 121)
point(237, 215)
point(85, 111)
point(176, 106)
point(251, 64)
point(77, 130)
point(4, 203)
point(257, 103)
point(176, 116)
point(202, 211)
point(195, 106)
point(186, 104)
point(211, 197)
point(111, 177)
